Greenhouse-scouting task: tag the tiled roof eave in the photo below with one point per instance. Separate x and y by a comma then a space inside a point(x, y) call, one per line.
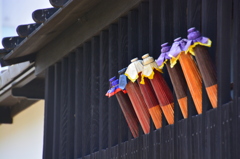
point(53, 26)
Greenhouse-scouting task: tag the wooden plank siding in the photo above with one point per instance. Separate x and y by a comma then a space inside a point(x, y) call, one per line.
point(82, 123)
point(78, 103)
point(49, 114)
point(57, 103)
point(236, 77)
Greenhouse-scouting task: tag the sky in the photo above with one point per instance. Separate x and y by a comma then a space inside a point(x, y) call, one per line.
point(17, 12)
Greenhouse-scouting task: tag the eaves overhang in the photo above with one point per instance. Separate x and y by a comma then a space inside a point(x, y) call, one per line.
point(50, 22)
point(19, 89)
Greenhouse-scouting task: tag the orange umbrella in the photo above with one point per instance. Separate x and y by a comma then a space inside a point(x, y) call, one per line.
point(125, 105)
point(160, 87)
point(176, 76)
point(197, 45)
point(147, 92)
point(190, 71)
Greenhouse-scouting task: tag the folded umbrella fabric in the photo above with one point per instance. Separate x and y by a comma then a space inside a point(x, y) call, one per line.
point(147, 92)
point(114, 87)
point(125, 105)
point(197, 45)
point(160, 87)
point(176, 76)
point(137, 101)
point(190, 71)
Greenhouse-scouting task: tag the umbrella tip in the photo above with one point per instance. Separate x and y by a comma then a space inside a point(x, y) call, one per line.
point(112, 79)
point(164, 44)
point(165, 47)
point(177, 39)
point(193, 33)
point(135, 59)
point(122, 71)
point(145, 56)
point(190, 30)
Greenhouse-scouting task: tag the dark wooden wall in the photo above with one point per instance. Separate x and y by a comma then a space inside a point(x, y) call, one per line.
point(80, 122)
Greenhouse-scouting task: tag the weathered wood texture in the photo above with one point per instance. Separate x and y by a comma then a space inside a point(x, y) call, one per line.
point(95, 74)
point(78, 103)
point(64, 109)
point(80, 122)
point(57, 101)
point(122, 53)
point(114, 109)
point(49, 114)
point(86, 101)
point(236, 77)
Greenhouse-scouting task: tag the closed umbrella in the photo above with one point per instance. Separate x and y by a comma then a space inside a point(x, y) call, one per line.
point(125, 105)
point(137, 101)
point(197, 45)
point(147, 92)
point(190, 71)
point(176, 76)
point(160, 87)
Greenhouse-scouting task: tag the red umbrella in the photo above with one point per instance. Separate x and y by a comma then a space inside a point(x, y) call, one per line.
point(160, 87)
point(137, 100)
point(147, 92)
point(125, 105)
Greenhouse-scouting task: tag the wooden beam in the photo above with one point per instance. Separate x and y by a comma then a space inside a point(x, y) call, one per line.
point(85, 27)
point(5, 115)
point(32, 90)
point(30, 57)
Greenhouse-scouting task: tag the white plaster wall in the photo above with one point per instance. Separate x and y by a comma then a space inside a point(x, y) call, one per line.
point(24, 138)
